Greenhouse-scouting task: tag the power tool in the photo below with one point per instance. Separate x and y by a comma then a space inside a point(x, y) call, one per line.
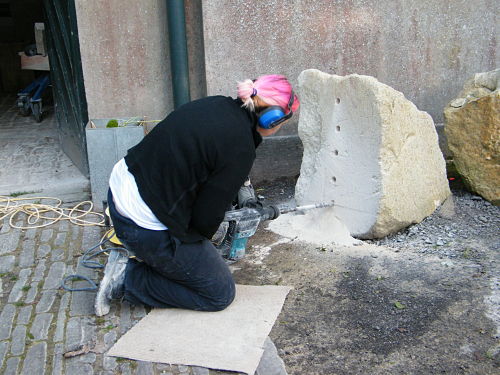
point(241, 222)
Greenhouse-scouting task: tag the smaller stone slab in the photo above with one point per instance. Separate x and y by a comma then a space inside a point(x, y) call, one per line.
point(472, 127)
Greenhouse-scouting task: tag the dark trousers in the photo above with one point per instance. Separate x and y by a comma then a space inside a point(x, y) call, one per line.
point(172, 273)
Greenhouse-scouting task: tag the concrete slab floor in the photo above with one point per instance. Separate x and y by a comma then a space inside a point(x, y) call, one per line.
point(31, 158)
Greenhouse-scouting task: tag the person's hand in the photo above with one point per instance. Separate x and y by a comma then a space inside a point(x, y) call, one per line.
point(219, 236)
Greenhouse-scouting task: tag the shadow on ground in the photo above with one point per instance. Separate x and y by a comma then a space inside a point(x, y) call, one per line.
point(378, 310)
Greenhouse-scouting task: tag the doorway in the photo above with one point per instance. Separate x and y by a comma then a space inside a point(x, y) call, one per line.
point(32, 152)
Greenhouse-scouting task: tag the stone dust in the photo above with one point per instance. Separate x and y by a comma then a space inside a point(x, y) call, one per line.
point(318, 226)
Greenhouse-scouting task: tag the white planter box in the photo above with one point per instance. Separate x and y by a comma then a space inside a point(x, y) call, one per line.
point(105, 146)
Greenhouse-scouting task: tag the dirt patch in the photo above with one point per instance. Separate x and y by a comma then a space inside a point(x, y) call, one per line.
point(375, 309)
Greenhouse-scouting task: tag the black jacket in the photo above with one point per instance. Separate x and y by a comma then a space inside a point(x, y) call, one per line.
point(191, 165)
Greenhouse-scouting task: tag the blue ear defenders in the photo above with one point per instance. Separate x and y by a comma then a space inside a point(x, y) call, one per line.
point(273, 116)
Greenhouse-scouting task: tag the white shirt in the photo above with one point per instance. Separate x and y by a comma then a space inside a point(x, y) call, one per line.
point(127, 199)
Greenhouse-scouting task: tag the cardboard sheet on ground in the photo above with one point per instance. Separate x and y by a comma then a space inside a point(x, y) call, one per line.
point(232, 339)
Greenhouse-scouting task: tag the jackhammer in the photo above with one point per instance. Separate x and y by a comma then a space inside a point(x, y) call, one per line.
point(242, 221)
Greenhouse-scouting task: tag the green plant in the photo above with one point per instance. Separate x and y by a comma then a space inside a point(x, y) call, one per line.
point(108, 328)
point(19, 304)
point(18, 193)
point(26, 288)
point(113, 123)
point(399, 305)
point(30, 336)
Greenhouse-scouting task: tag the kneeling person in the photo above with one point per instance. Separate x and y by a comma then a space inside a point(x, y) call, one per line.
point(169, 194)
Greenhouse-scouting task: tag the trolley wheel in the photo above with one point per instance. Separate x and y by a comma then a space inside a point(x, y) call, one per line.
point(37, 111)
point(24, 106)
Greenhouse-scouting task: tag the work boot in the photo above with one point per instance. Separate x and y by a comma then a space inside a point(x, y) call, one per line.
point(111, 286)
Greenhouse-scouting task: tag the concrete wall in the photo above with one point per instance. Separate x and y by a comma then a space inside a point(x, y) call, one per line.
point(125, 57)
point(425, 49)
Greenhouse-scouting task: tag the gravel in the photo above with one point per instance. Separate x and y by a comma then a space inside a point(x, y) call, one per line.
point(475, 224)
point(443, 271)
point(472, 225)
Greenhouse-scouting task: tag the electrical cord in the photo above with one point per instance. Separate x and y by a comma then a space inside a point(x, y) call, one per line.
point(88, 261)
point(41, 215)
point(39, 212)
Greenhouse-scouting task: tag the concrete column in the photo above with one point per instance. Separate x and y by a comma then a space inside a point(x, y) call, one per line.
point(125, 57)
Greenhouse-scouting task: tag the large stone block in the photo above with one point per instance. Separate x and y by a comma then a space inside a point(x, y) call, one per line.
point(472, 126)
point(370, 150)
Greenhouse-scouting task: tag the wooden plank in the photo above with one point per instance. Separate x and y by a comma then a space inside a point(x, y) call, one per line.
point(37, 62)
point(40, 38)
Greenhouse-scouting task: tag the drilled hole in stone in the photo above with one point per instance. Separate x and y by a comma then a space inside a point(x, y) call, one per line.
point(334, 179)
point(338, 128)
point(338, 100)
point(336, 152)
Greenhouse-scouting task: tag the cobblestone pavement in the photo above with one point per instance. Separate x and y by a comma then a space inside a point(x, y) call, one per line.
point(39, 321)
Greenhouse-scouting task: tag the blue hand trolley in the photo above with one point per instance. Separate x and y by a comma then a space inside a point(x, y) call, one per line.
point(30, 98)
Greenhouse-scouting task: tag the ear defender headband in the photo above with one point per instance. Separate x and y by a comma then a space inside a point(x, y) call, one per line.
point(273, 116)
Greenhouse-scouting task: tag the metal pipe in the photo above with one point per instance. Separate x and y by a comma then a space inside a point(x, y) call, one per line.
point(178, 51)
